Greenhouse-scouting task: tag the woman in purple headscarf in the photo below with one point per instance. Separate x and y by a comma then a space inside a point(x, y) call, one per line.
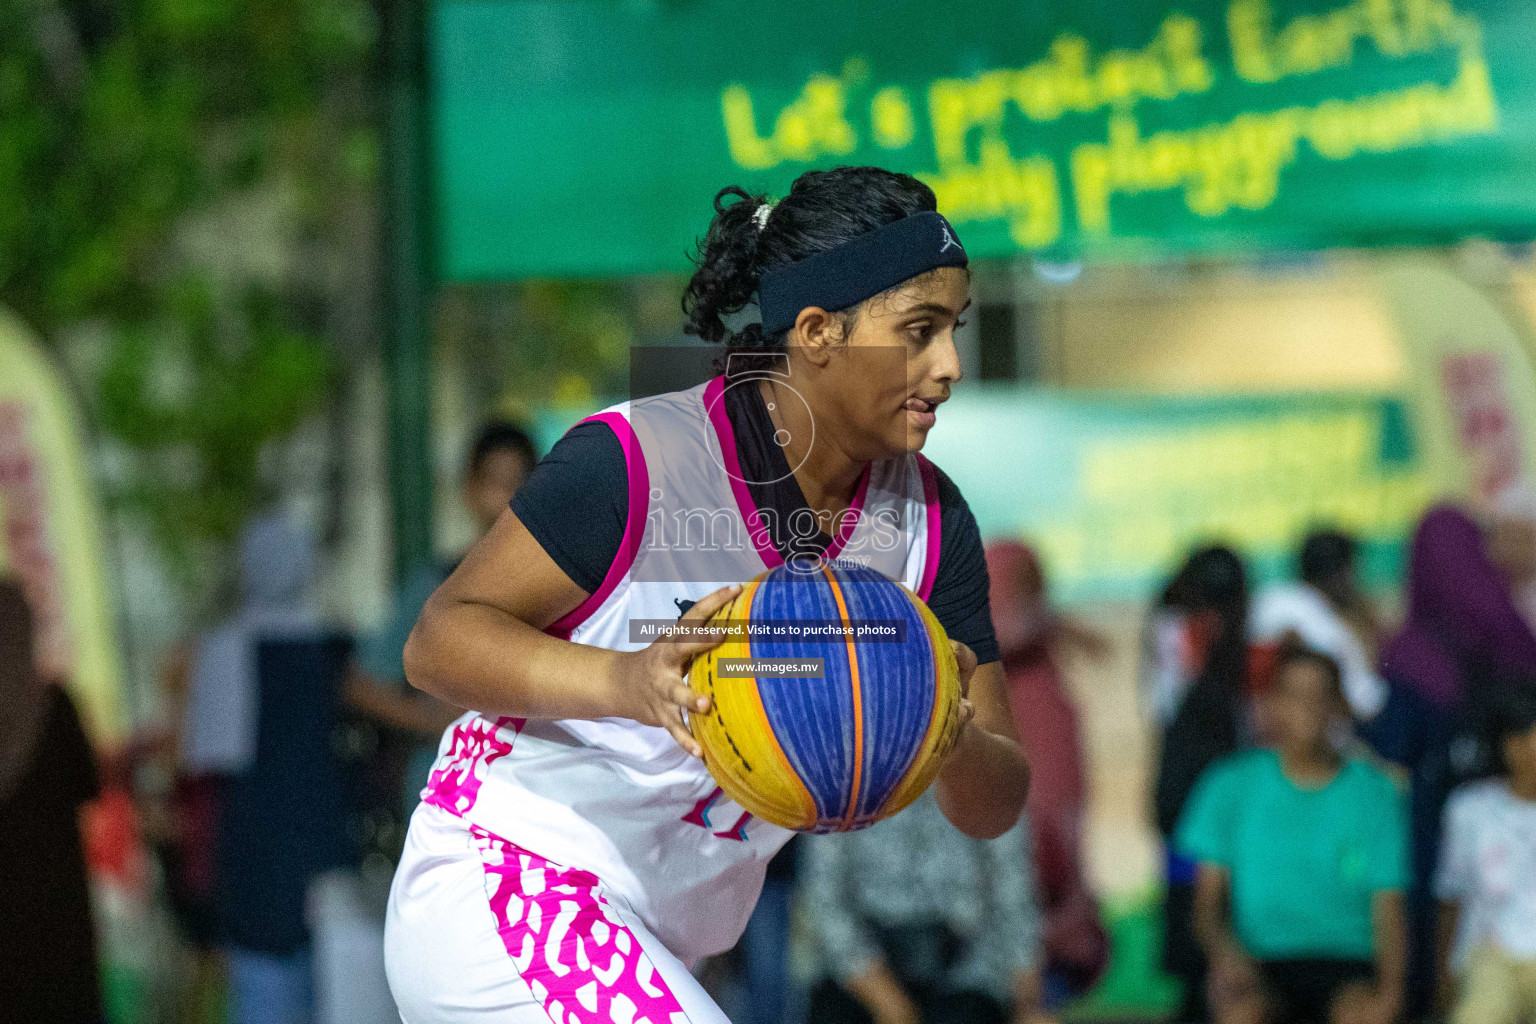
point(1462, 622)
point(1463, 636)
point(1031, 636)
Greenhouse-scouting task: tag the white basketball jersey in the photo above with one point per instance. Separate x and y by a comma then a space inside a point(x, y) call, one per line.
point(621, 799)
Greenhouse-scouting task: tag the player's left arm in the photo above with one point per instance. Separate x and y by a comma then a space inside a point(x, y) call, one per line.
point(982, 786)
point(1389, 934)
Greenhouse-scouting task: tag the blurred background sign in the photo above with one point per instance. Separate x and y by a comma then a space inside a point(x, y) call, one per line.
point(1114, 489)
point(50, 533)
point(577, 137)
point(1472, 384)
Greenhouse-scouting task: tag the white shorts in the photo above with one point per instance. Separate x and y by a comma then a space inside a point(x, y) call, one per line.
point(481, 930)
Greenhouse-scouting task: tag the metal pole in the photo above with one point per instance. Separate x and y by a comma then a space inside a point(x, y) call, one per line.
point(407, 281)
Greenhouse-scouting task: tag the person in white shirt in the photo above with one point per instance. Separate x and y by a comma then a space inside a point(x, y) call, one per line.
point(1487, 881)
point(1326, 611)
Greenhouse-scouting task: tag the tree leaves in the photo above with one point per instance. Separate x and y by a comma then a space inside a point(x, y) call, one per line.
point(119, 122)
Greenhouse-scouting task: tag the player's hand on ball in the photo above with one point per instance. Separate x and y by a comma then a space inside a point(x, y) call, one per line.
point(654, 683)
point(966, 658)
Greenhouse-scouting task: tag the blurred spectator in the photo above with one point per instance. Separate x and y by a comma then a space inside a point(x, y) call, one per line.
point(178, 811)
point(916, 922)
point(1302, 862)
point(47, 772)
point(261, 712)
point(1196, 629)
point(1327, 611)
point(1030, 636)
point(411, 722)
point(1512, 545)
point(1462, 625)
point(1487, 880)
point(1194, 674)
point(1329, 562)
point(179, 815)
point(1463, 636)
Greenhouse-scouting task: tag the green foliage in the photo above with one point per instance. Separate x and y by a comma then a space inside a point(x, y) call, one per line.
point(579, 341)
point(118, 120)
point(114, 122)
point(199, 411)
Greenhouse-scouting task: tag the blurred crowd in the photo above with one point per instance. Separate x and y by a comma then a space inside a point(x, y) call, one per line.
point(1348, 809)
point(1347, 805)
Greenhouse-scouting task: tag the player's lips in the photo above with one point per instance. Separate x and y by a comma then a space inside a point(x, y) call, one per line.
point(923, 411)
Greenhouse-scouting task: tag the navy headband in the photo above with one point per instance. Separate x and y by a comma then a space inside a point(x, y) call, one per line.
point(861, 267)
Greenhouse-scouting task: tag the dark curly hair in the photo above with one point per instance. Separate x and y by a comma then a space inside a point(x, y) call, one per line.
point(497, 436)
point(1294, 652)
point(823, 210)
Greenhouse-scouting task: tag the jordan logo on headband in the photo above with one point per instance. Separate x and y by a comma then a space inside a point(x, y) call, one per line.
point(949, 241)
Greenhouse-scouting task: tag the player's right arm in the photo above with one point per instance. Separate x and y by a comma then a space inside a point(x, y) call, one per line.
point(480, 644)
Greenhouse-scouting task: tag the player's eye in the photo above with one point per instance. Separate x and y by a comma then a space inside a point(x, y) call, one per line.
point(960, 323)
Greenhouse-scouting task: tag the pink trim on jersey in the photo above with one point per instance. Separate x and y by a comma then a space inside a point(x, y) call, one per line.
point(850, 522)
point(455, 786)
point(934, 524)
point(579, 959)
point(714, 404)
point(634, 526)
point(714, 392)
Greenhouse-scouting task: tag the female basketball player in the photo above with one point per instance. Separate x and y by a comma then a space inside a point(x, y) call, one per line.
point(572, 857)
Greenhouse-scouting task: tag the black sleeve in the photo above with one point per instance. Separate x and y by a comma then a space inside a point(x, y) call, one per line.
point(961, 587)
point(576, 503)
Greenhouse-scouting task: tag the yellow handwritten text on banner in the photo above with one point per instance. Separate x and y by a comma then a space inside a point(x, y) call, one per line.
point(1221, 165)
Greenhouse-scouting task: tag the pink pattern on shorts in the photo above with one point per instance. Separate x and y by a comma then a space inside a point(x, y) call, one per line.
point(454, 784)
point(582, 964)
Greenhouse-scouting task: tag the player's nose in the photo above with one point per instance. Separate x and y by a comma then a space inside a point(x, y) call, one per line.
point(946, 359)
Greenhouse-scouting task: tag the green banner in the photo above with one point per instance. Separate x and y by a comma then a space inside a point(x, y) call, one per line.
point(587, 137)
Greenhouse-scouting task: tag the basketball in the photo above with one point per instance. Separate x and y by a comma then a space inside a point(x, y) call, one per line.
point(845, 743)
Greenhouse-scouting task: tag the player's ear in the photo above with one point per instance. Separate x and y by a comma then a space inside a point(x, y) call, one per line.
point(817, 332)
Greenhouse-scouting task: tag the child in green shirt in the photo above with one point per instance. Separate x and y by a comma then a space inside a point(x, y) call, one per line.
point(1303, 860)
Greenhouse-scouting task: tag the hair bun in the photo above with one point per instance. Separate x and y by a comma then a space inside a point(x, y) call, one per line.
point(822, 210)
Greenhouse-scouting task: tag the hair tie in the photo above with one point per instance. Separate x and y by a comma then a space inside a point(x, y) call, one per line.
point(760, 215)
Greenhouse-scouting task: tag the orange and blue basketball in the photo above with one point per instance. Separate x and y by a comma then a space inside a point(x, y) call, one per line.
point(858, 743)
